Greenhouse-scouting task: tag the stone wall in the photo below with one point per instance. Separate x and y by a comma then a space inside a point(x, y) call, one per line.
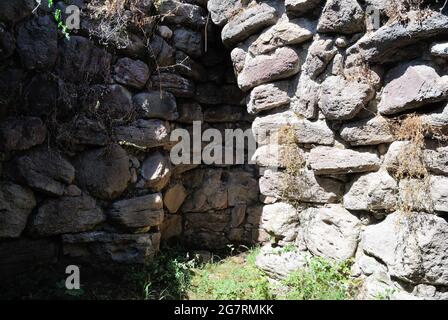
point(85, 135)
point(356, 167)
point(360, 118)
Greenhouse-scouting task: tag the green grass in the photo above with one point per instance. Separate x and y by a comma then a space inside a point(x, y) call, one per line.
point(234, 278)
point(322, 280)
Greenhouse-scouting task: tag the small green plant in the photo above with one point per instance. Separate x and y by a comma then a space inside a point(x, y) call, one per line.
point(321, 280)
point(57, 15)
point(234, 278)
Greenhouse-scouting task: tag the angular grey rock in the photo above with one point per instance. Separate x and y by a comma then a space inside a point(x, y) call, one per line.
point(392, 157)
point(143, 134)
point(299, 7)
point(7, 43)
point(275, 155)
point(83, 131)
point(331, 232)
point(287, 33)
point(16, 203)
point(45, 170)
point(155, 104)
point(22, 133)
point(281, 221)
point(162, 52)
point(66, 215)
point(267, 97)
point(381, 45)
point(269, 129)
point(132, 73)
point(156, 171)
point(320, 54)
point(372, 192)
point(342, 100)
point(111, 247)
point(116, 103)
point(410, 87)
point(189, 41)
point(412, 246)
point(306, 187)
point(437, 160)
point(177, 85)
point(367, 132)
point(139, 213)
point(104, 172)
point(37, 43)
point(222, 10)
point(279, 265)
point(439, 193)
point(306, 98)
point(341, 16)
point(438, 118)
point(342, 161)
point(176, 12)
point(247, 22)
point(280, 64)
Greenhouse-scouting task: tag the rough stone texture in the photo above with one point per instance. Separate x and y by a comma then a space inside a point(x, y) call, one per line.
point(281, 221)
point(16, 203)
point(189, 42)
point(267, 97)
point(111, 247)
point(301, 7)
point(373, 131)
point(222, 10)
point(22, 133)
point(143, 134)
point(412, 86)
point(66, 215)
point(341, 16)
point(340, 227)
point(137, 213)
point(103, 172)
point(280, 64)
point(247, 22)
point(440, 50)
point(132, 73)
point(342, 100)
point(45, 170)
point(372, 192)
point(417, 258)
point(342, 161)
point(183, 13)
point(174, 198)
point(175, 84)
point(156, 171)
point(156, 105)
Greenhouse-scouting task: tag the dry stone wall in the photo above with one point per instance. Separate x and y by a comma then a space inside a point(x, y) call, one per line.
point(355, 166)
point(358, 111)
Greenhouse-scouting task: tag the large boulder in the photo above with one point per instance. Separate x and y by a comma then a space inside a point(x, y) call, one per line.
point(331, 232)
point(156, 171)
point(139, 213)
point(16, 203)
point(413, 246)
point(180, 13)
point(279, 64)
point(372, 192)
point(222, 10)
point(189, 41)
point(372, 131)
point(22, 133)
point(66, 215)
point(300, 7)
point(267, 97)
point(37, 43)
point(247, 22)
point(174, 197)
point(45, 170)
point(341, 16)
point(341, 99)
point(111, 247)
point(143, 134)
point(104, 172)
point(116, 103)
point(132, 73)
point(155, 104)
point(281, 221)
point(410, 87)
point(342, 161)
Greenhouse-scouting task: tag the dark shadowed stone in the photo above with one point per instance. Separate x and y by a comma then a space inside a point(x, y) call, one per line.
point(117, 103)
point(189, 41)
point(177, 12)
point(40, 96)
point(187, 67)
point(66, 215)
point(189, 112)
point(11, 83)
point(299, 7)
point(82, 62)
point(15, 10)
point(341, 16)
point(23, 255)
point(225, 113)
point(103, 172)
point(156, 104)
point(143, 134)
point(21, 133)
point(209, 93)
point(132, 73)
point(7, 43)
point(37, 43)
point(45, 170)
point(16, 203)
point(111, 247)
point(83, 131)
point(156, 171)
point(137, 213)
point(222, 10)
point(177, 85)
point(162, 52)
